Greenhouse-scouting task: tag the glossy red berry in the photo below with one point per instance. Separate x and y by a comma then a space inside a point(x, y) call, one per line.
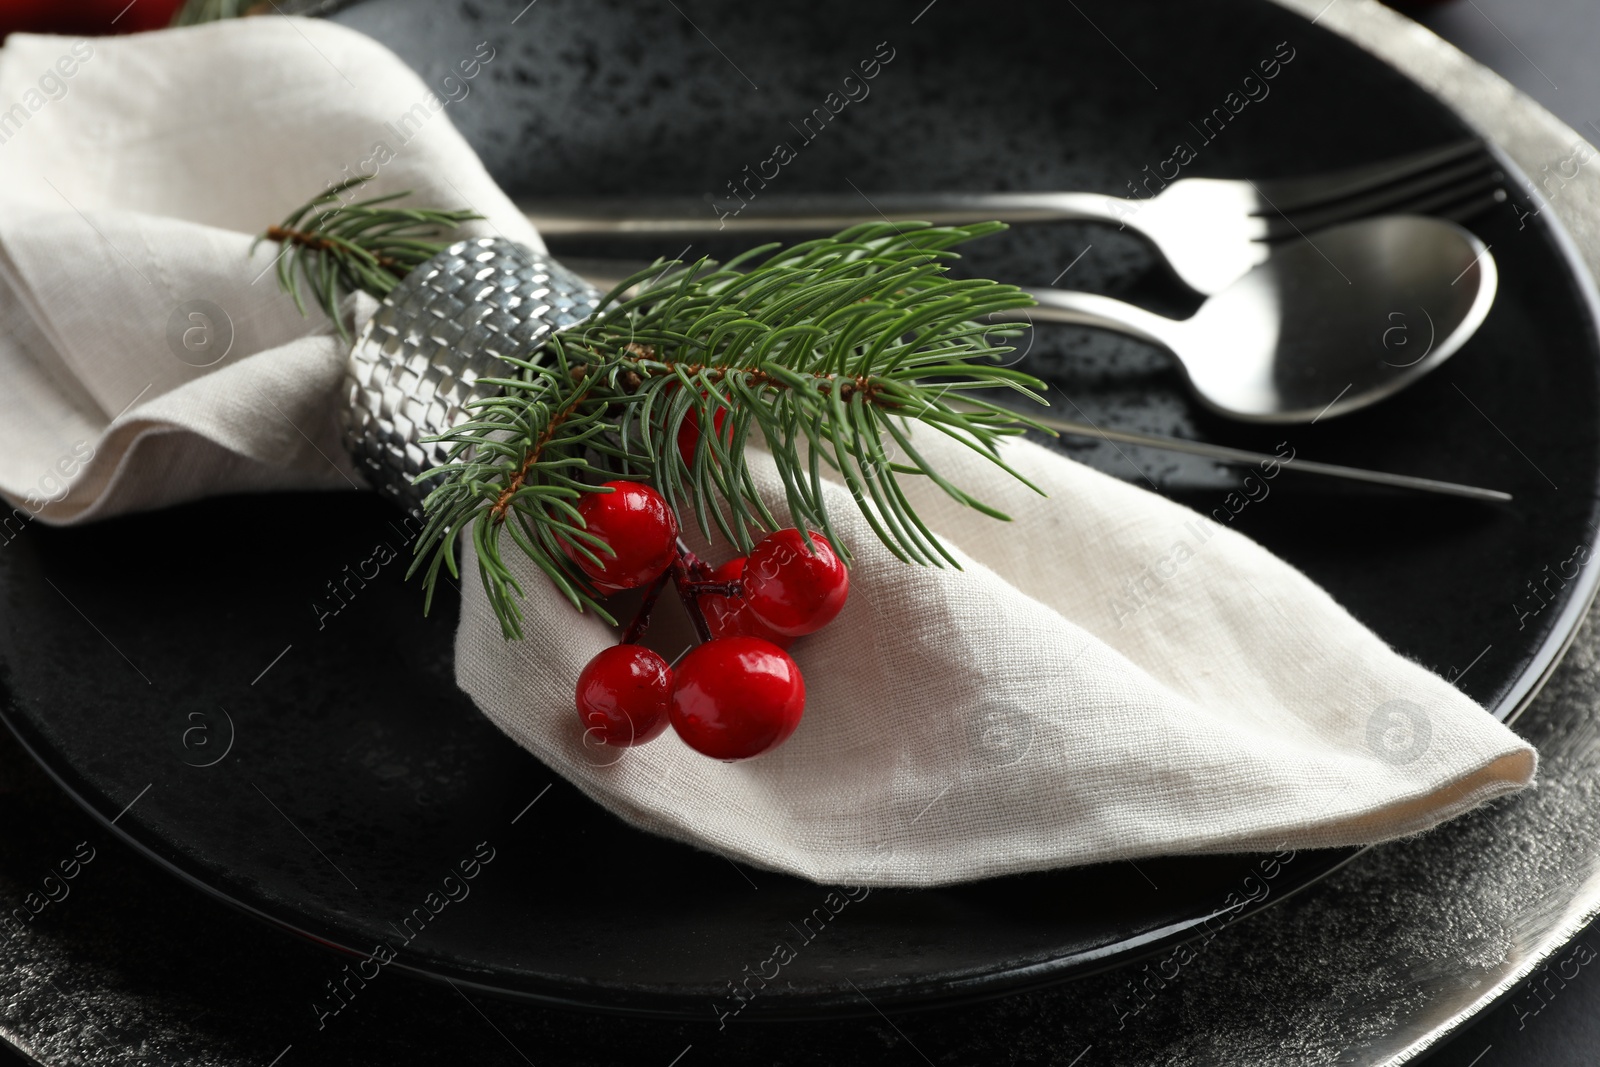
point(689, 432)
point(792, 588)
point(623, 695)
point(635, 521)
point(736, 697)
point(730, 616)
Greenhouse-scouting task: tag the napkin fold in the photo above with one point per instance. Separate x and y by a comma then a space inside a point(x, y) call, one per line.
point(1109, 677)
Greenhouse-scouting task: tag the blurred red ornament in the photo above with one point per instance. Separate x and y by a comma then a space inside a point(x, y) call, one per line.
point(83, 18)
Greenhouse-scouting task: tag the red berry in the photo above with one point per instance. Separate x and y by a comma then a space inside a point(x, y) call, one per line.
point(635, 521)
point(85, 16)
point(730, 616)
point(622, 695)
point(736, 697)
point(689, 431)
point(791, 588)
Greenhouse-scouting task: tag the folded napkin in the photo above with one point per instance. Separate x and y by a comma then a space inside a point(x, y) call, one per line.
point(1111, 676)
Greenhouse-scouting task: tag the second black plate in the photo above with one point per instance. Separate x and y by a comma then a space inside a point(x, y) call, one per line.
point(170, 670)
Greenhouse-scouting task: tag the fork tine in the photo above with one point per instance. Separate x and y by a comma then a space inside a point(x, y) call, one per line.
point(1299, 194)
point(1472, 207)
point(1449, 199)
point(1420, 197)
point(1374, 200)
point(1453, 205)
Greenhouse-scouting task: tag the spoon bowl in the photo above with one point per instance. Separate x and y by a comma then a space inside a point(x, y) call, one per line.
point(1326, 325)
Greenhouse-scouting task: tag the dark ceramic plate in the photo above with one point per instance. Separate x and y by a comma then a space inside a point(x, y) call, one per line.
point(170, 670)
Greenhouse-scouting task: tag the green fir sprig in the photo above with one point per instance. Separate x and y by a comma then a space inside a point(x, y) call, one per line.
point(823, 353)
point(194, 12)
point(336, 248)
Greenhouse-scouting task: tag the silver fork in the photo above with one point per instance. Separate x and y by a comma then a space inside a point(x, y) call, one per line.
point(1211, 231)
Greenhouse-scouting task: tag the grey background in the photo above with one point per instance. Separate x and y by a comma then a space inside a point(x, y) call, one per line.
point(1546, 48)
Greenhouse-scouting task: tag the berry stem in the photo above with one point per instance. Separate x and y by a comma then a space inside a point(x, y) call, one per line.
point(696, 566)
point(687, 573)
point(641, 619)
point(729, 589)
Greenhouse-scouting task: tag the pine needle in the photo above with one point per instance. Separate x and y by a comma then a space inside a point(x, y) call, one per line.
point(824, 351)
point(335, 248)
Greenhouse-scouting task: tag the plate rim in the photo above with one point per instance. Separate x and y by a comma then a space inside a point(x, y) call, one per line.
point(1414, 51)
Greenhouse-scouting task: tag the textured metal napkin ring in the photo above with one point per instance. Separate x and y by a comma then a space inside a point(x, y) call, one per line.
point(416, 365)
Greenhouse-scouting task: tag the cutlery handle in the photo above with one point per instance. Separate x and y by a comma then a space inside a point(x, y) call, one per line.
point(1091, 309)
point(808, 212)
point(1055, 305)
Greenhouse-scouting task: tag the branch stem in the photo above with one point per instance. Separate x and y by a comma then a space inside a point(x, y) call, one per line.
point(316, 242)
point(502, 503)
point(848, 385)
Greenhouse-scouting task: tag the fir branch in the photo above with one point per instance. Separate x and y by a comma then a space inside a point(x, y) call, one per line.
point(823, 352)
point(336, 248)
point(194, 12)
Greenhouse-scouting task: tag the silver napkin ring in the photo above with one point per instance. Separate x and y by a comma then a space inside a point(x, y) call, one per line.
point(417, 363)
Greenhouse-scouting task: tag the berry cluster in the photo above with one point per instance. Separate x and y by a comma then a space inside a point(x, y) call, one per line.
point(738, 693)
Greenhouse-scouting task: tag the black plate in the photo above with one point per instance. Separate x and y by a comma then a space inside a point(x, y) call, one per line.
point(350, 777)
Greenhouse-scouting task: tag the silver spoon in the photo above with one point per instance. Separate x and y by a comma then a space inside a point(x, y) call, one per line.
point(1325, 326)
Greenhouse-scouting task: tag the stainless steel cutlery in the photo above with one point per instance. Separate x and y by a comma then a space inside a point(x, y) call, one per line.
point(1327, 293)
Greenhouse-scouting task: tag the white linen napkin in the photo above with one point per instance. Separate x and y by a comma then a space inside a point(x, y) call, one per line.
point(1110, 677)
